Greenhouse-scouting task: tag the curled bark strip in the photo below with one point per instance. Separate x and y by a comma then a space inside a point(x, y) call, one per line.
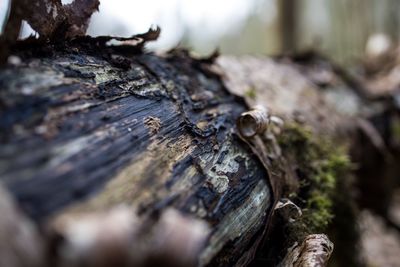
point(315, 251)
point(253, 122)
point(287, 209)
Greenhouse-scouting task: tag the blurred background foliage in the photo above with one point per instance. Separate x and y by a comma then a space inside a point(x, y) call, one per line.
point(338, 28)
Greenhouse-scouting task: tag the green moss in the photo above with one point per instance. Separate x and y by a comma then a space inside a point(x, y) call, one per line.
point(320, 164)
point(251, 93)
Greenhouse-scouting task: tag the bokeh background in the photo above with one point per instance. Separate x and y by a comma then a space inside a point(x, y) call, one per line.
point(338, 28)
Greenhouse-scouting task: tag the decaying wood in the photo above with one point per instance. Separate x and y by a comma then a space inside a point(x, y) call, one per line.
point(144, 131)
point(87, 128)
point(313, 252)
point(50, 18)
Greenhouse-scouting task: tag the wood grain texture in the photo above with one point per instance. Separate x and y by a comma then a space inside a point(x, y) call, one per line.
point(86, 127)
point(89, 131)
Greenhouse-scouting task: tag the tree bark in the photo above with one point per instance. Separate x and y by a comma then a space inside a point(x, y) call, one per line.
point(84, 133)
point(86, 128)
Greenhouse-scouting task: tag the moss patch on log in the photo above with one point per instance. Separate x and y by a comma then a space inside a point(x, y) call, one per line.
point(319, 165)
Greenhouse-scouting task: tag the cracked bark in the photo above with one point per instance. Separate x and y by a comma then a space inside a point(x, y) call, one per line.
point(86, 128)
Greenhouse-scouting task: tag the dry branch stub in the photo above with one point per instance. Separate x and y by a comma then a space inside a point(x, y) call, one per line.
point(49, 18)
point(314, 251)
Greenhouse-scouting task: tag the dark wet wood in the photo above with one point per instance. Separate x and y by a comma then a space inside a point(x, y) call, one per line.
point(86, 131)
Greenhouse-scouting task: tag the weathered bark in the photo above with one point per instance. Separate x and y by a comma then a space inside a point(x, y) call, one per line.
point(314, 251)
point(80, 133)
point(85, 128)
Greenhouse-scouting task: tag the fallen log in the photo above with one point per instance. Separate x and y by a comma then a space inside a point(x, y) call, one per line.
point(86, 135)
point(87, 127)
